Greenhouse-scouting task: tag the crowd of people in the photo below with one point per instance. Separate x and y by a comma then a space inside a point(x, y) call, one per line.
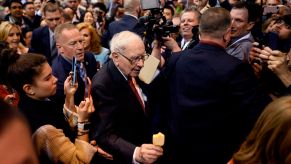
point(91, 81)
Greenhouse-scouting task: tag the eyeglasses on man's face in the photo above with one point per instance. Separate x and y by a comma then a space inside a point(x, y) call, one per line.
point(134, 60)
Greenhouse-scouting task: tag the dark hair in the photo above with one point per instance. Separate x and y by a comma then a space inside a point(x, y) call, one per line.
point(6, 56)
point(8, 114)
point(23, 69)
point(101, 6)
point(27, 3)
point(254, 10)
point(170, 8)
point(26, 30)
point(51, 7)
point(13, 1)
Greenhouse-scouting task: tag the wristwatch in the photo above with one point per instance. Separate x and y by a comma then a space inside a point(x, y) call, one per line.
point(84, 126)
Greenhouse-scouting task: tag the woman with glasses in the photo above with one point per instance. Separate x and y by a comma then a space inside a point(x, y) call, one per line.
point(11, 34)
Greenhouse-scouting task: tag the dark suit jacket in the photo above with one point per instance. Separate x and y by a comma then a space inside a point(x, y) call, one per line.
point(40, 43)
point(215, 101)
point(121, 124)
point(126, 23)
point(61, 69)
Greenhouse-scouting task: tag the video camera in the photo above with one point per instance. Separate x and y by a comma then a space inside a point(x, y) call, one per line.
point(156, 25)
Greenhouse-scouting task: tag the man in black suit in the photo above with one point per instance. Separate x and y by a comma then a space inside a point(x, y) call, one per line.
point(123, 115)
point(128, 22)
point(215, 97)
point(42, 40)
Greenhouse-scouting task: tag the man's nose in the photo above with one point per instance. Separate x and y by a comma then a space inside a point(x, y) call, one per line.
point(140, 63)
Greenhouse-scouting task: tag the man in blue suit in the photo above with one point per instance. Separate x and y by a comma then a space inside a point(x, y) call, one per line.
point(69, 42)
point(215, 98)
point(42, 40)
point(129, 22)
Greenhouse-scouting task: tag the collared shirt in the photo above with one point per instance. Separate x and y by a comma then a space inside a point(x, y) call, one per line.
point(185, 44)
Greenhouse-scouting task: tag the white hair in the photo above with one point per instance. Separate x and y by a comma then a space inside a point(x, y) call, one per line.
point(120, 40)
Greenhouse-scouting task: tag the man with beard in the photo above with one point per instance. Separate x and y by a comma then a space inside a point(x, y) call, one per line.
point(128, 22)
point(123, 115)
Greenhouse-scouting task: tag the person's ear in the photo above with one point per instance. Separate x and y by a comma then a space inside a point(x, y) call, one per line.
point(115, 58)
point(250, 26)
point(226, 35)
point(28, 89)
point(59, 47)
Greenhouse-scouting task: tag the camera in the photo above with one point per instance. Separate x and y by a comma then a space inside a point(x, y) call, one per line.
point(156, 25)
point(270, 10)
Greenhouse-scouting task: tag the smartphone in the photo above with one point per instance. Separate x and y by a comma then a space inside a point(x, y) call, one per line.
point(270, 10)
point(150, 4)
point(74, 66)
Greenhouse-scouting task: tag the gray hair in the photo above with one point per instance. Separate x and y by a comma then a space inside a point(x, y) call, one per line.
point(60, 28)
point(194, 10)
point(120, 41)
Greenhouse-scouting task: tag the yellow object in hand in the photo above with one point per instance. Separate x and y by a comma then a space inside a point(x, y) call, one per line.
point(159, 139)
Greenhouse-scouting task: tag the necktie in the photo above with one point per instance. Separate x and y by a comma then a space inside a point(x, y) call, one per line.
point(54, 51)
point(83, 75)
point(133, 85)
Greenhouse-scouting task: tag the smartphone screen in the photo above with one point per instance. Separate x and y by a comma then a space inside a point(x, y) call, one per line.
point(74, 66)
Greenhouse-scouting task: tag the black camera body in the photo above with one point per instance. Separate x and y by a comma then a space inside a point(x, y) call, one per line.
point(156, 25)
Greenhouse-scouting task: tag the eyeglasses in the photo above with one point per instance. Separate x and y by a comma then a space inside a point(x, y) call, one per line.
point(134, 60)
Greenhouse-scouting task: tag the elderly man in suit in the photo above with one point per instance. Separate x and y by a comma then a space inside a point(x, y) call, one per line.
point(42, 40)
point(123, 115)
point(215, 98)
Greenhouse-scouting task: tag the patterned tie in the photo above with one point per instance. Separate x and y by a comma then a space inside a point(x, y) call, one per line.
point(83, 75)
point(133, 85)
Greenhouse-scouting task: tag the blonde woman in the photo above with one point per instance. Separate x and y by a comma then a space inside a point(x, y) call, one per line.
point(11, 33)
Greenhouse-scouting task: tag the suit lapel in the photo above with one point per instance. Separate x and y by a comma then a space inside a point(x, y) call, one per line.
point(46, 42)
point(122, 84)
